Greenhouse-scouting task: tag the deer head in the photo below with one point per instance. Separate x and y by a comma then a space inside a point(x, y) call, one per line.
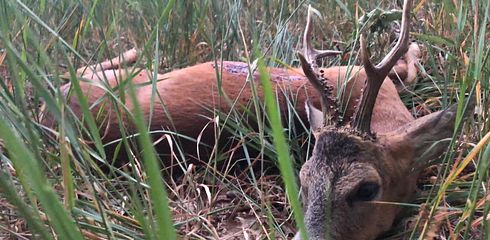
point(352, 170)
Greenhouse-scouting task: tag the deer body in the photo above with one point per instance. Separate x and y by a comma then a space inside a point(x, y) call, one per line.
point(374, 155)
point(186, 92)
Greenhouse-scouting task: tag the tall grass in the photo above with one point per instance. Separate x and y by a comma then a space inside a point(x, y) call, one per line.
point(51, 181)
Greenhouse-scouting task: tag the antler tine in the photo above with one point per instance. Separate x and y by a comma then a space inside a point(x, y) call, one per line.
point(308, 60)
point(377, 74)
point(311, 53)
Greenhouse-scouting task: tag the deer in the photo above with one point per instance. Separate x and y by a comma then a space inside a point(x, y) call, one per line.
point(354, 165)
point(356, 168)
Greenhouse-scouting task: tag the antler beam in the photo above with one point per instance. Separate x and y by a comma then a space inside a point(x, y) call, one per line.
point(377, 74)
point(308, 60)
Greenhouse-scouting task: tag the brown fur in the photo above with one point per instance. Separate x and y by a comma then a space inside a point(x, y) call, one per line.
point(186, 93)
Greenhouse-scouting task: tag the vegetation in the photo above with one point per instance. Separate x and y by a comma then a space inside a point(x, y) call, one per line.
point(55, 185)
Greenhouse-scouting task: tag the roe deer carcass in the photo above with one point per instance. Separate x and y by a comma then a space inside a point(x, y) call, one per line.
point(356, 167)
point(352, 166)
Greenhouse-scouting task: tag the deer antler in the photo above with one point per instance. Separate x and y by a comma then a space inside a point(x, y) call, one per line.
point(376, 74)
point(308, 60)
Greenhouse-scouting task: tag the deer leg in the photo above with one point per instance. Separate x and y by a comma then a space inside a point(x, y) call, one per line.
point(127, 57)
point(404, 73)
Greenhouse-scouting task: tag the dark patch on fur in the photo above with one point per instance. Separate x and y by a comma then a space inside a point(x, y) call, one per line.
point(236, 68)
point(276, 75)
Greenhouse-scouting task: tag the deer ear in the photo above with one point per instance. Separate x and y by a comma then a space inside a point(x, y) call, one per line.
point(315, 116)
point(427, 137)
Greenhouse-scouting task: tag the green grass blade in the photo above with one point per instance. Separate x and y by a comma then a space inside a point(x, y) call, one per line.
point(282, 149)
point(26, 164)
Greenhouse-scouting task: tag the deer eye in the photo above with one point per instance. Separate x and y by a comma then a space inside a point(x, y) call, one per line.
point(367, 191)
